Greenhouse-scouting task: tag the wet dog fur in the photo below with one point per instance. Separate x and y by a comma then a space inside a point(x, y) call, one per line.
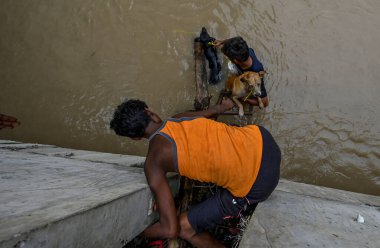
point(243, 85)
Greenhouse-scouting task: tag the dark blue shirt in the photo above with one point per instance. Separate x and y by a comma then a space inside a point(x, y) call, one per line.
point(255, 67)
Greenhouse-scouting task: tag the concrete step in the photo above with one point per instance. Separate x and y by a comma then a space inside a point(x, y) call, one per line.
point(301, 215)
point(59, 197)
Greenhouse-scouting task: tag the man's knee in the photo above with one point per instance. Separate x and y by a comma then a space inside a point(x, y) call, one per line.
point(187, 231)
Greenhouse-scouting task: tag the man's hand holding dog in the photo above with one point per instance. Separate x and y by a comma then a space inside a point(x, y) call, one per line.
point(225, 105)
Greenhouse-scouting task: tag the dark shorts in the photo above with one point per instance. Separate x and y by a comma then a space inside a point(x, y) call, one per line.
point(223, 204)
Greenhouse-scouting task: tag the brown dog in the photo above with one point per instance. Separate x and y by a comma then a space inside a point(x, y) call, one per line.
point(245, 85)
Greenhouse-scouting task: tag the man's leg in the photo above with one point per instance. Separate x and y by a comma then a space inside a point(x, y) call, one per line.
point(204, 239)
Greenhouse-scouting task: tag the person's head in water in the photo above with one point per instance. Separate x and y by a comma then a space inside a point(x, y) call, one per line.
point(131, 119)
point(236, 49)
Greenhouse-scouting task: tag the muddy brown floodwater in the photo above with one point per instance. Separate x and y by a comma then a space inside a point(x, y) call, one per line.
point(65, 65)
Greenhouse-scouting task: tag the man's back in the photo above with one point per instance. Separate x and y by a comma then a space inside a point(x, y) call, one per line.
point(211, 151)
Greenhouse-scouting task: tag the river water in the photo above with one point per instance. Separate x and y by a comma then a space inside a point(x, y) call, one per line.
point(65, 65)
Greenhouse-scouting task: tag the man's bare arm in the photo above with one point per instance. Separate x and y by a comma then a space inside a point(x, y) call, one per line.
point(155, 171)
point(210, 112)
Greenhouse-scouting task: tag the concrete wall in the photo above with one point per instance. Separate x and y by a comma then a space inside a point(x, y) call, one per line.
point(57, 197)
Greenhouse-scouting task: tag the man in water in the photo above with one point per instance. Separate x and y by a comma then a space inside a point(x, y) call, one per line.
point(243, 161)
point(244, 58)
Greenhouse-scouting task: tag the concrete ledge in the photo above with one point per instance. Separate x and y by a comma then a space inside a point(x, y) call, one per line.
point(50, 199)
point(301, 215)
point(49, 150)
point(59, 197)
point(327, 193)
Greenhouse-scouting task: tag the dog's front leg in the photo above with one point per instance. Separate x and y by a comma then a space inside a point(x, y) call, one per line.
point(238, 103)
point(261, 104)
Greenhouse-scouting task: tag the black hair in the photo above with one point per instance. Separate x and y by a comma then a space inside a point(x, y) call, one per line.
point(236, 48)
point(130, 119)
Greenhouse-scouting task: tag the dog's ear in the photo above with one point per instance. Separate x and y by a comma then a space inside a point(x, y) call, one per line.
point(244, 77)
point(262, 73)
point(244, 80)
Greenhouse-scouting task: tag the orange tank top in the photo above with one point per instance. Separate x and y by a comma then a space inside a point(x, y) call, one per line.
point(210, 151)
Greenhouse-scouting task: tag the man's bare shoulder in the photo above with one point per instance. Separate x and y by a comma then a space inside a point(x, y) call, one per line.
point(161, 152)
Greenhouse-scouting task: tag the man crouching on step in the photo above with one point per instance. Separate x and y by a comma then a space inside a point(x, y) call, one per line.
point(243, 161)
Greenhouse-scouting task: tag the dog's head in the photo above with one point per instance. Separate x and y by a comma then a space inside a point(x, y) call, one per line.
point(252, 80)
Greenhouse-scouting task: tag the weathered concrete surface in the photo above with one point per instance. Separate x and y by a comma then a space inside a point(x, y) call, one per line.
point(301, 215)
point(57, 197)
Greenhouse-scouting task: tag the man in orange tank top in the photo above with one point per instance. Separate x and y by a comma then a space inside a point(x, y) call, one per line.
point(173, 148)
